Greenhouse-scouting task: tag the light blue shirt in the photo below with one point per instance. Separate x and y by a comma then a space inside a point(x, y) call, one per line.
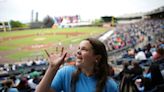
point(147, 75)
point(12, 90)
point(62, 82)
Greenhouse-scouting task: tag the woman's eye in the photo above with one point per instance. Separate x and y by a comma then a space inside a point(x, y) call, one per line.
point(85, 49)
point(82, 49)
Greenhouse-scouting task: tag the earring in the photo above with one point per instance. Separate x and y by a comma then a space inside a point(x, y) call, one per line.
point(96, 61)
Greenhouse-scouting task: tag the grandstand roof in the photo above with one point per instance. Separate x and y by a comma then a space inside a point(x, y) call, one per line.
point(158, 10)
point(140, 14)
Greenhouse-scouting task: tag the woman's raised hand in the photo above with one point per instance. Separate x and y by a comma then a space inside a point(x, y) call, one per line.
point(55, 60)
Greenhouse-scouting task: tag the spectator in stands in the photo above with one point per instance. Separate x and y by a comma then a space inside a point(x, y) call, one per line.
point(159, 55)
point(153, 49)
point(33, 73)
point(126, 78)
point(15, 80)
point(159, 59)
point(90, 73)
point(23, 85)
point(148, 54)
point(70, 60)
point(156, 75)
point(8, 86)
point(130, 54)
point(136, 70)
point(124, 71)
point(33, 82)
point(151, 81)
point(140, 55)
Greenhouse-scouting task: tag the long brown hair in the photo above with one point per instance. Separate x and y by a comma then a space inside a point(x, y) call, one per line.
point(101, 68)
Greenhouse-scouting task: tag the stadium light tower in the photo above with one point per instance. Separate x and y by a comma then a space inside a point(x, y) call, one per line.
point(36, 20)
point(32, 13)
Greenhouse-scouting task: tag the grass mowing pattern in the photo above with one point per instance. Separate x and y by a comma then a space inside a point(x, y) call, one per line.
point(50, 36)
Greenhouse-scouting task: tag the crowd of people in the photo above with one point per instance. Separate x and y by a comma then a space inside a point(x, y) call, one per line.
point(133, 33)
point(143, 67)
point(25, 82)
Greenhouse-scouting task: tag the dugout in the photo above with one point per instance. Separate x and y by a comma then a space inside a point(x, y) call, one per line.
point(108, 21)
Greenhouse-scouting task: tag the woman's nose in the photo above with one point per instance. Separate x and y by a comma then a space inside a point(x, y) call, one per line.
point(78, 51)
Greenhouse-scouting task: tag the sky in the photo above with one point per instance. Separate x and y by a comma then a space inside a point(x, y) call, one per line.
point(87, 9)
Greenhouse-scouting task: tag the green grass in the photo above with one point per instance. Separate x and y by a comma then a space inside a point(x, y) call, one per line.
point(16, 45)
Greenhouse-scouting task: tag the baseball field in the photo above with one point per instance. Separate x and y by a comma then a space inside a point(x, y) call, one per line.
point(16, 46)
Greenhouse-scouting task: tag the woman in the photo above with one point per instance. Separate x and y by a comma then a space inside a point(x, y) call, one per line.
point(90, 73)
point(152, 81)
